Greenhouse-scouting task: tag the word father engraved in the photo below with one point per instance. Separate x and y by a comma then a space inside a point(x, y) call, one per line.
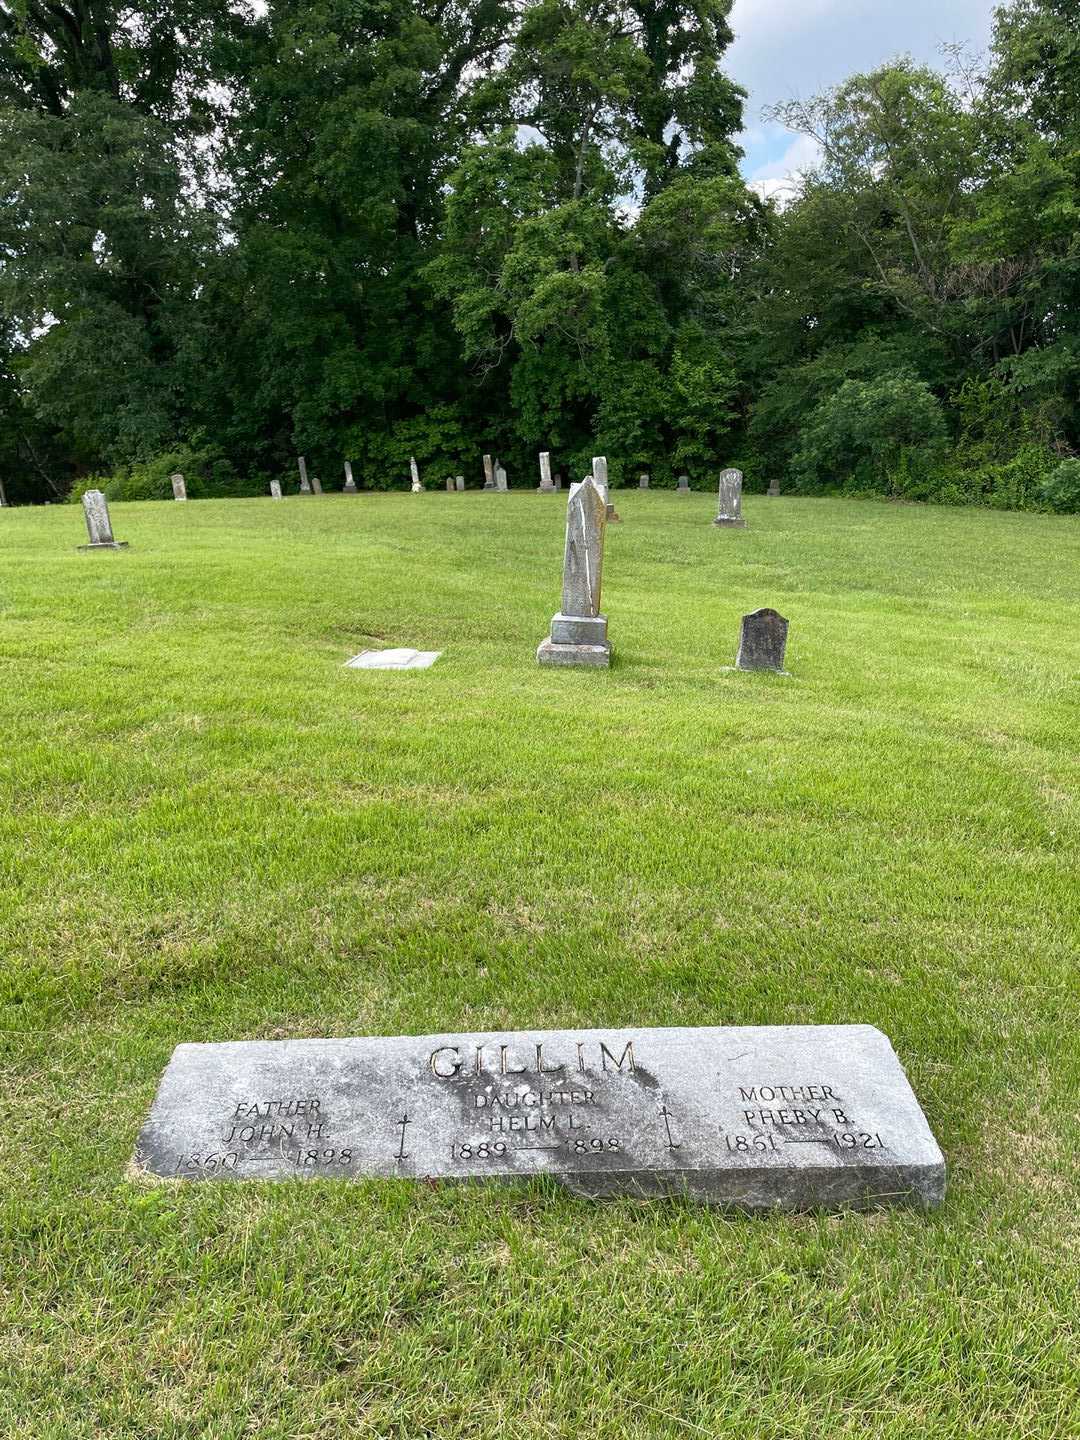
point(763, 1118)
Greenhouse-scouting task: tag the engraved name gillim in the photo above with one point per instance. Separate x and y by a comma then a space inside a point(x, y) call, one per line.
point(450, 1060)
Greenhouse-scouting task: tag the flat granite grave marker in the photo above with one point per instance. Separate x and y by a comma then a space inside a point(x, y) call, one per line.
point(400, 659)
point(762, 641)
point(729, 498)
point(579, 632)
point(179, 488)
point(98, 525)
point(786, 1117)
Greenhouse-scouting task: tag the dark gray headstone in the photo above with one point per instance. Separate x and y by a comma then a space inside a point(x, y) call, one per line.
point(774, 487)
point(305, 483)
point(762, 641)
point(99, 529)
point(684, 485)
point(763, 1118)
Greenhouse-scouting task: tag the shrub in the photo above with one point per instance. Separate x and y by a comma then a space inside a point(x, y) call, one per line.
point(852, 439)
point(1061, 488)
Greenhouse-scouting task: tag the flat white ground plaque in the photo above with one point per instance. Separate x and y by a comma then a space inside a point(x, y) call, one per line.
point(786, 1117)
point(393, 660)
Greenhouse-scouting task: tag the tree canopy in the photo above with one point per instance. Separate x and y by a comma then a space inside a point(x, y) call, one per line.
point(370, 229)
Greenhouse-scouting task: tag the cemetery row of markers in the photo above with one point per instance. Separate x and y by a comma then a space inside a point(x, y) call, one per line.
point(759, 1118)
point(578, 631)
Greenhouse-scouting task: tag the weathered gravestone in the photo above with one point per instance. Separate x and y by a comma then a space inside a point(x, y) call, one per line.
point(489, 474)
point(179, 488)
point(98, 525)
point(762, 641)
point(350, 483)
point(558, 480)
point(414, 471)
point(275, 489)
point(459, 482)
point(729, 499)
point(684, 485)
point(579, 632)
point(547, 485)
point(792, 1117)
point(449, 484)
point(600, 479)
point(500, 478)
point(305, 483)
point(316, 485)
point(643, 481)
point(774, 487)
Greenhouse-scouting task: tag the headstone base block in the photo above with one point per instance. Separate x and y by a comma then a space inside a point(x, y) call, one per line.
point(550, 653)
point(730, 522)
point(106, 545)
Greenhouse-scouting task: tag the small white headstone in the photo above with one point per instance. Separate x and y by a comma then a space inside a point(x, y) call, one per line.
point(179, 489)
point(275, 489)
point(415, 472)
point(393, 660)
point(545, 471)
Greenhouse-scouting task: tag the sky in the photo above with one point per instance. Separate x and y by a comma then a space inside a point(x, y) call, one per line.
point(789, 48)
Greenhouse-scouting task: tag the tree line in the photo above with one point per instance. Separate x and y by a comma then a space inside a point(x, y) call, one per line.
point(371, 229)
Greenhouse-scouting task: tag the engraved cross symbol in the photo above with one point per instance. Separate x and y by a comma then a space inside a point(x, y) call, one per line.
point(671, 1144)
point(402, 1153)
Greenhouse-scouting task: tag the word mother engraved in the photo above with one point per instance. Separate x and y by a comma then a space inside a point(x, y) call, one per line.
point(762, 1118)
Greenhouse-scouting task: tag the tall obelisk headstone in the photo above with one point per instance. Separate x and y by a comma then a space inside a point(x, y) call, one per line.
point(547, 485)
point(350, 483)
point(415, 472)
point(98, 525)
point(489, 473)
point(179, 488)
point(579, 632)
point(729, 499)
point(305, 483)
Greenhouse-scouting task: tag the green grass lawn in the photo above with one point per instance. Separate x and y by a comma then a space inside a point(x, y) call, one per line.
point(211, 831)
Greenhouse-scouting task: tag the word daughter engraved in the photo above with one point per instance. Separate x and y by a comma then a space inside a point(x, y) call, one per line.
point(762, 1118)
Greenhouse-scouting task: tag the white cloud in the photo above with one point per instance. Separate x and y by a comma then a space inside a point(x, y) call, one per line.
point(786, 49)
